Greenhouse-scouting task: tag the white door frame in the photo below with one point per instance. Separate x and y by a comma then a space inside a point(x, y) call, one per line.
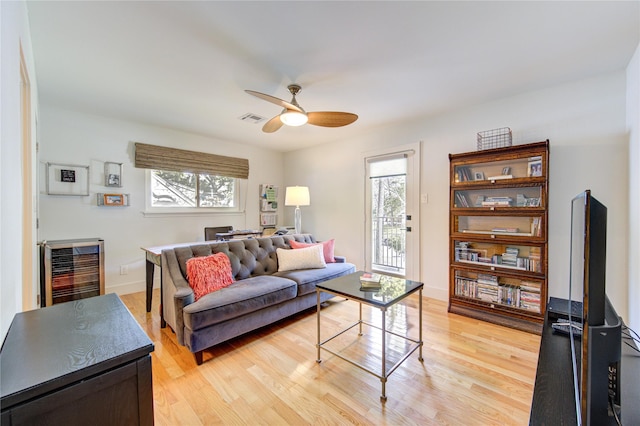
point(412, 266)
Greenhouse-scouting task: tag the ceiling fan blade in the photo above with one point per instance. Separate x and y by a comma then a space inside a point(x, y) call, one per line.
point(274, 100)
point(272, 125)
point(331, 118)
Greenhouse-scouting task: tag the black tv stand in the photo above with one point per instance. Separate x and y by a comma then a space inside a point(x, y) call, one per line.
point(553, 395)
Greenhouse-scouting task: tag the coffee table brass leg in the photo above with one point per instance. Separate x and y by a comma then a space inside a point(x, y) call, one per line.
point(383, 373)
point(383, 397)
point(318, 360)
point(420, 326)
point(360, 317)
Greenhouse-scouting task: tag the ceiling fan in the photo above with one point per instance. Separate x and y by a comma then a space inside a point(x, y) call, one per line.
point(294, 115)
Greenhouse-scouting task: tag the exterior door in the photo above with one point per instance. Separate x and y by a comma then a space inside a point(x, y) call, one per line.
point(392, 237)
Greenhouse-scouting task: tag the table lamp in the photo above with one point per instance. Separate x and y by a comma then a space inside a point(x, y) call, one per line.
point(297, 196)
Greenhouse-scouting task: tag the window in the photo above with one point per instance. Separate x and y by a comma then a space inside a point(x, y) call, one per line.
point(183, 190)
point(388, 180)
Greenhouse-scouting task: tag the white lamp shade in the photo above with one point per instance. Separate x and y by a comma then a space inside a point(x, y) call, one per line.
point(297, 196)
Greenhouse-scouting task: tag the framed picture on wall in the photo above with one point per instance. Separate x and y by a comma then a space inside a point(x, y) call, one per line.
point(113, 199)
point(67, 179)
point(112, 174)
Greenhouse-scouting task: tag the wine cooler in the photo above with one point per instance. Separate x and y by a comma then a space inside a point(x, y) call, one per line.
point(71, 270)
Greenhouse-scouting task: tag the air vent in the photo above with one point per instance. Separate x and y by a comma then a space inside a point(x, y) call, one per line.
point(251, 118)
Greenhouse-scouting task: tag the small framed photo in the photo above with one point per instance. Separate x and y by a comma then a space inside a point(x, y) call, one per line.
point(506, 170)
point(67, 179)
point(112, 174)
point(113, 199)
point(535, 167)
point(478, 176)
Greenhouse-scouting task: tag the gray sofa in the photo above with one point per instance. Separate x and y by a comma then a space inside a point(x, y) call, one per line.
point(260, 296)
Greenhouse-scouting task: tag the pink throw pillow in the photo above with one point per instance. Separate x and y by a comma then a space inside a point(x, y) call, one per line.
point(327, 248)
point(209, 273)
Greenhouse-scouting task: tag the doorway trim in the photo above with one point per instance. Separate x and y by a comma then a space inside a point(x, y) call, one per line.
point(29, 253)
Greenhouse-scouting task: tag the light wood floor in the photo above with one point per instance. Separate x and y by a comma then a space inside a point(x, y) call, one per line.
point(474, 373)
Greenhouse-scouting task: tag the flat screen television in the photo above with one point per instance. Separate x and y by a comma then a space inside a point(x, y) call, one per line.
point(596, 352)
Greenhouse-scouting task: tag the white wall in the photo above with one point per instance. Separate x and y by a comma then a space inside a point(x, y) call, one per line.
point(71, 137)
point(14, 32)
point(633, 129)
point(585, 123)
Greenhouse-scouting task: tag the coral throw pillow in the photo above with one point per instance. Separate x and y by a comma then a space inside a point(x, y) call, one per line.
point(209, 273)
point(327, 248)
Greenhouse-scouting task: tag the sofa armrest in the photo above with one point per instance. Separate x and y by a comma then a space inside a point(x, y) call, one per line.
point(340, 259)
point(176, 294)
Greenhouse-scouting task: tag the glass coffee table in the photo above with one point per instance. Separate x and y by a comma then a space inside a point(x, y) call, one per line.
point(392, 290)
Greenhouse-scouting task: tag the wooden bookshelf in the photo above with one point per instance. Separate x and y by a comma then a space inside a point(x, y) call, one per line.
point(498, 235)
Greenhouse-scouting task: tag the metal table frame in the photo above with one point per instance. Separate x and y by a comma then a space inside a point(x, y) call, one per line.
point(384, 374)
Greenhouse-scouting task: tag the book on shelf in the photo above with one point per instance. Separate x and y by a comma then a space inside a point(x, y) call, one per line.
point(461, 200)
point(497, 201)
point(370, 281)
point(500, 177)
point(511, 230)
point(463, 174)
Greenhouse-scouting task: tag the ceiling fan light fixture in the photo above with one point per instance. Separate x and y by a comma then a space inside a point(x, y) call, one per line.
point(294, 118)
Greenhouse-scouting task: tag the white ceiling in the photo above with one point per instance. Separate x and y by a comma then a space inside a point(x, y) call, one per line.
point(185, 65)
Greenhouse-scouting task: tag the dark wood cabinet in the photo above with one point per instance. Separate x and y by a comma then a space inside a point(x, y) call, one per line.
point(77, 363)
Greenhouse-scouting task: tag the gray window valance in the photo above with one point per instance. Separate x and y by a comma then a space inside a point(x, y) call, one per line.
point(180, 160)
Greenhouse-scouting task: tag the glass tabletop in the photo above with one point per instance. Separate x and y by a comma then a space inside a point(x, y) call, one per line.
point(392, 289)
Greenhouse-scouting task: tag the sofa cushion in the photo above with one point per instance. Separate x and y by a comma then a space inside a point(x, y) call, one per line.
point(305, 258)
point(327, 248)
point(307, 278)
point(208, 273)
point(240, 298)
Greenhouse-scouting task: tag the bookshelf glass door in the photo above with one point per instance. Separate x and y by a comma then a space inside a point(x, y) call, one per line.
point(499, 226)
point(498, 290)
point(492, 198)
point(501, 255)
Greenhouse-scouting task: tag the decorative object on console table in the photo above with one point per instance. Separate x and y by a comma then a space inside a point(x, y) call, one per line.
point(498, 243)
point(67, 179)
point(297, 196)
point(112, 174)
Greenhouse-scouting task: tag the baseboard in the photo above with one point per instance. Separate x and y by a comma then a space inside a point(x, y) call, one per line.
point(128, 288)
point(435, 293)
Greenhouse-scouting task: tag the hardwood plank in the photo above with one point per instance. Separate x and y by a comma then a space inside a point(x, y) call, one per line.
point(473, 372)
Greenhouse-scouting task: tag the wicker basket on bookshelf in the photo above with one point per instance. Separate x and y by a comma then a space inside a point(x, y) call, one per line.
point(495, 138)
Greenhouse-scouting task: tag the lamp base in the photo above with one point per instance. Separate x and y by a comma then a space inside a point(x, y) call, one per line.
point(298, 220)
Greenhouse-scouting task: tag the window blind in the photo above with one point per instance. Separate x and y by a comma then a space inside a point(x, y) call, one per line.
point(180, 160)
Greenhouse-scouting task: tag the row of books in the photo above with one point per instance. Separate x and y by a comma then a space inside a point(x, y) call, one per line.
point(536, 229)
point(463, 252)
point(463, 174)
point(525, 296)
point(461, 200)
point(531, 264)
point(497, 202)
